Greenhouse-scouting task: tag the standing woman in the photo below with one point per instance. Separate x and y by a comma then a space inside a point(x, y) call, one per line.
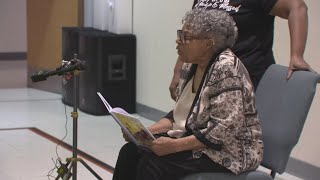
point(214, 125)
point(255, 22)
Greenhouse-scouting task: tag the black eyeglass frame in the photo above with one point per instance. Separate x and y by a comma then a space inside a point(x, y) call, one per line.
point(183, 37)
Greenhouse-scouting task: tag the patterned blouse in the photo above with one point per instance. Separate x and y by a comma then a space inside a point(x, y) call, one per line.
point(223, 115)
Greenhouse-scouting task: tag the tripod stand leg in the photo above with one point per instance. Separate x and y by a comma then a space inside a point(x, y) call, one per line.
point(91, 170)
point(69, 174)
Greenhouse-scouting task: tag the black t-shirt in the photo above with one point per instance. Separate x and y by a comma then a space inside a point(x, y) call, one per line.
point(255, 28)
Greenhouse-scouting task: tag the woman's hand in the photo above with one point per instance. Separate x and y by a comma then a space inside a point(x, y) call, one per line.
point(173, 85)
point(125, 136)
point(175, 79)
point(163, 125)
point(297, 63)
point(163, 146)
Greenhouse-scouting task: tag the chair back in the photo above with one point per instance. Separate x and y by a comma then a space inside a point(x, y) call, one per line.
point(283, 106)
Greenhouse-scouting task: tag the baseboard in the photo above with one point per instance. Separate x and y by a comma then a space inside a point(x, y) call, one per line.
point(13, 55)
point(302, 169)
point(295, 167)
point(149, 112)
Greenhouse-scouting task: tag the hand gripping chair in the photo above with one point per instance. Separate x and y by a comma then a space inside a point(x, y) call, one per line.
point(282, 108)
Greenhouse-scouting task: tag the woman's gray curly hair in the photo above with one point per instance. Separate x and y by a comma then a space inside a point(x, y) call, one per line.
point(215, 24)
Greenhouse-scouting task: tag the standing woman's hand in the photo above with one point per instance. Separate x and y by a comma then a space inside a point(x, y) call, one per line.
point(175, 79)
point(297, 63)
point(173, 85)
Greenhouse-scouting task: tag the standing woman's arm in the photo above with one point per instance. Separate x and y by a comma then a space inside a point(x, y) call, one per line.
point(296, 12)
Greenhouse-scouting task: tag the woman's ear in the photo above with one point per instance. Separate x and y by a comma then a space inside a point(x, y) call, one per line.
point(213, 43)
point(210, 43)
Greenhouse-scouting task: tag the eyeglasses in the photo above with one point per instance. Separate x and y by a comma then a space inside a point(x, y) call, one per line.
point(183, 37)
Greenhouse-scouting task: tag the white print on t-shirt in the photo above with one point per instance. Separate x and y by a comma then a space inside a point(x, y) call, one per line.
point(217, 4)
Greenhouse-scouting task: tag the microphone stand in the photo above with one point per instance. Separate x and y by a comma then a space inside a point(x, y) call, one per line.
point(74, 115)
point(74, 66)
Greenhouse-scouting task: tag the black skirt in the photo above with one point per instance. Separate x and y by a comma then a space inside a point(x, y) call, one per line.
point(136, 164)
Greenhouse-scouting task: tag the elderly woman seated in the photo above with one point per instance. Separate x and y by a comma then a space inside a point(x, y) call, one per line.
point(214, 125)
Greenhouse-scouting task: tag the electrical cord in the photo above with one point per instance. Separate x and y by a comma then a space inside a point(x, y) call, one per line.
point(58, 160)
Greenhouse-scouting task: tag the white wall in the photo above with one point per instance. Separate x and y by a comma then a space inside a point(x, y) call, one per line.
point(13, 27)
point(155, 24)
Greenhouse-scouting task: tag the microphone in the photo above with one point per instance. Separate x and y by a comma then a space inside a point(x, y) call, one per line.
point(66, 67)
point(39, 76)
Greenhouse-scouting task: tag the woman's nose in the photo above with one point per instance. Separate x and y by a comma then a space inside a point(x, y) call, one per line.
point(178, 41)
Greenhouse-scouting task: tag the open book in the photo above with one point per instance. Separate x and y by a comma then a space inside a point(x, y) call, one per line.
point(131, 125)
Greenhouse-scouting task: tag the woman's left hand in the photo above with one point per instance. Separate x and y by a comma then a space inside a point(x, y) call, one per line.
point(163, 146)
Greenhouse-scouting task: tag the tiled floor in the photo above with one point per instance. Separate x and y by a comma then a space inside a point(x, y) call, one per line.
point(25, 155)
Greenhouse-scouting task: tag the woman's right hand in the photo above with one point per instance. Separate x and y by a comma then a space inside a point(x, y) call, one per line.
point(125, 136)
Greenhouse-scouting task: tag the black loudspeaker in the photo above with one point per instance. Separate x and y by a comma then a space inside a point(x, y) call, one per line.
point(110, 69)
point(70, 46)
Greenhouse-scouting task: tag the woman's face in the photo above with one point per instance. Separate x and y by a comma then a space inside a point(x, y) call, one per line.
point(193, 49)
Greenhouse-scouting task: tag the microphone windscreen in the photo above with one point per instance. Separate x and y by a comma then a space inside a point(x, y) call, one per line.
point(39, 76)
